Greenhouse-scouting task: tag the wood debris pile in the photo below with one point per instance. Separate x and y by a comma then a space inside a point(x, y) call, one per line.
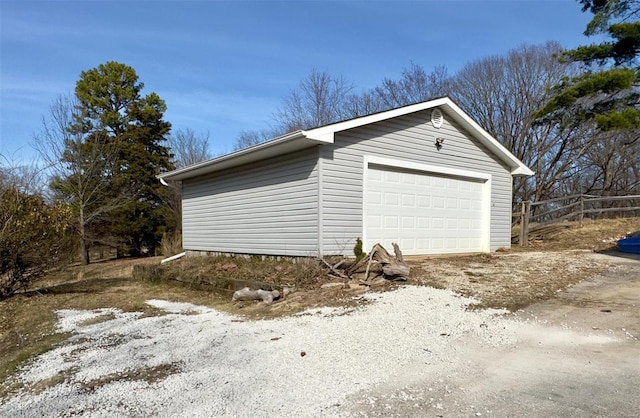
point(376, 268)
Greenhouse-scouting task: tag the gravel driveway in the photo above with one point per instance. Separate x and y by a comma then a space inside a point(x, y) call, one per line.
point(416, 351)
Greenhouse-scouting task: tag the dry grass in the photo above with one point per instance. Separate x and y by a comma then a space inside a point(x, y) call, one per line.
point(511, 279)
point(233, 273)
point(224, 275)
point(147, 374)
point(600, 235)
point(28, 321)
point(521, 276)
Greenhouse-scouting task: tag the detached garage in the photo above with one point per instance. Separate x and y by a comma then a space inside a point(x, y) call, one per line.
point(425, 176)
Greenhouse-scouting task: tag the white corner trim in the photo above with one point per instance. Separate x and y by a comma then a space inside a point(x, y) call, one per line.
point(320, 203)
point(486, 215)
point(365, 186)
point(369, 159)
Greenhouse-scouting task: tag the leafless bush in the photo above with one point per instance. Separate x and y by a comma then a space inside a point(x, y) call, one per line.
point(34, 237)
point(171, 243)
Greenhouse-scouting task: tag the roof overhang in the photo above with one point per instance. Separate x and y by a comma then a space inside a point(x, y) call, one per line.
point(282, 145)
point(326, 134)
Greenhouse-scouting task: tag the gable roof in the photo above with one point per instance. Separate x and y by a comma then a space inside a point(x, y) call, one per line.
point(326, 135)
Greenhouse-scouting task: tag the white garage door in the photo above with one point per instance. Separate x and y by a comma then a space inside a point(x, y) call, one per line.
point(425, 213)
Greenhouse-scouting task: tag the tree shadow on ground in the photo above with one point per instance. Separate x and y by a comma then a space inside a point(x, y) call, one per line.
point(93, 285)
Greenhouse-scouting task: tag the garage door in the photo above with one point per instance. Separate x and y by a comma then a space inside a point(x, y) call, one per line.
point(425, 213)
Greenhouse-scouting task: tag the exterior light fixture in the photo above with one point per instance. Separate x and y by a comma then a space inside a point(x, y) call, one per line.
point(438, 143)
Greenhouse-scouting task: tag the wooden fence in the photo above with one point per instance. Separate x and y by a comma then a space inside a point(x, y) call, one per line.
point(575, 207)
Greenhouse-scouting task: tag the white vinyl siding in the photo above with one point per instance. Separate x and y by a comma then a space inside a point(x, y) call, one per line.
point(269, 208)
point(407, 138)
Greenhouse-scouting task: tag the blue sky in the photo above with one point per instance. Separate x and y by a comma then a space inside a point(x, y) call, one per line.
point(223, 67)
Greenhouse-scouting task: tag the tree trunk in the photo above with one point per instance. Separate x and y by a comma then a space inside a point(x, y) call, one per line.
point(84, 248)
point(84, 252)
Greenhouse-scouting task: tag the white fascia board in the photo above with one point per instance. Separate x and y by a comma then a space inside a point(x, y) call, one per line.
point(327, 133)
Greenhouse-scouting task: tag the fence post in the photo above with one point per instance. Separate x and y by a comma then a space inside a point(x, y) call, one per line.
point(581, 209)
point(524, 222)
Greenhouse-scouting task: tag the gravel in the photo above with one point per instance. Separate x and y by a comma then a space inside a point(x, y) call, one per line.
point(198, 362)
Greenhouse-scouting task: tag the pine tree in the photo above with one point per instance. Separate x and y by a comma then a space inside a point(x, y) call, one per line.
point(607, 92)
point(111, 104)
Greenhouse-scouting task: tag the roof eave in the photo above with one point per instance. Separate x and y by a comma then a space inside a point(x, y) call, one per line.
point(326, 134)
point(287, 143)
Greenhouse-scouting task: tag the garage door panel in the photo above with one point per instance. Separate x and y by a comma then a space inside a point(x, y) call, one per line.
point(391, 198)
point(391, 177)
point(408, 200)
point(438, 244)
point(423, 212)
point(374, 221)
point(391, 222)
point(423, 223)
point(408, 179)
point(374, 197)
point(424, 201)
point(408, 222)
point(438, 202)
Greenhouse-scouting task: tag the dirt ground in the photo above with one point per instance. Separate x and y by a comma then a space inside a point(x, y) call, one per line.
point(579, 358)
point(509, 280)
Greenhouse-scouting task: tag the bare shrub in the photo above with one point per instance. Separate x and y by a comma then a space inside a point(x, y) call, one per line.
point(171, 243)
point(34, 237)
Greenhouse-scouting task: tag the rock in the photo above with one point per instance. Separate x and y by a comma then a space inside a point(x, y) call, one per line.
point(334, 285)
point(286, 291)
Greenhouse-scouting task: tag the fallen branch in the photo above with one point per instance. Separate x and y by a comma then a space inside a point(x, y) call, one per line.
point(334, 269)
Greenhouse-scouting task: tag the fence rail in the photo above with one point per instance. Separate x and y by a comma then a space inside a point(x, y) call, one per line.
point(575, 207)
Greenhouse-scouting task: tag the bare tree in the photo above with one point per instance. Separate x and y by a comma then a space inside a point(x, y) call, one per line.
point(415, 85)
point(247, 139)
point(364, 104)
point(502, 92)
point(81, 167)
point(319, 99)
point(611, 165)
point(189, 148)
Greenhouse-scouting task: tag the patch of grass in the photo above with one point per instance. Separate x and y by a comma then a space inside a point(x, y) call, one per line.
point(98, 319)
point(148, 374)
point(596, 235)
point(233, 273)
point(52, 381)
point(28, 320)
point(27, 329)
